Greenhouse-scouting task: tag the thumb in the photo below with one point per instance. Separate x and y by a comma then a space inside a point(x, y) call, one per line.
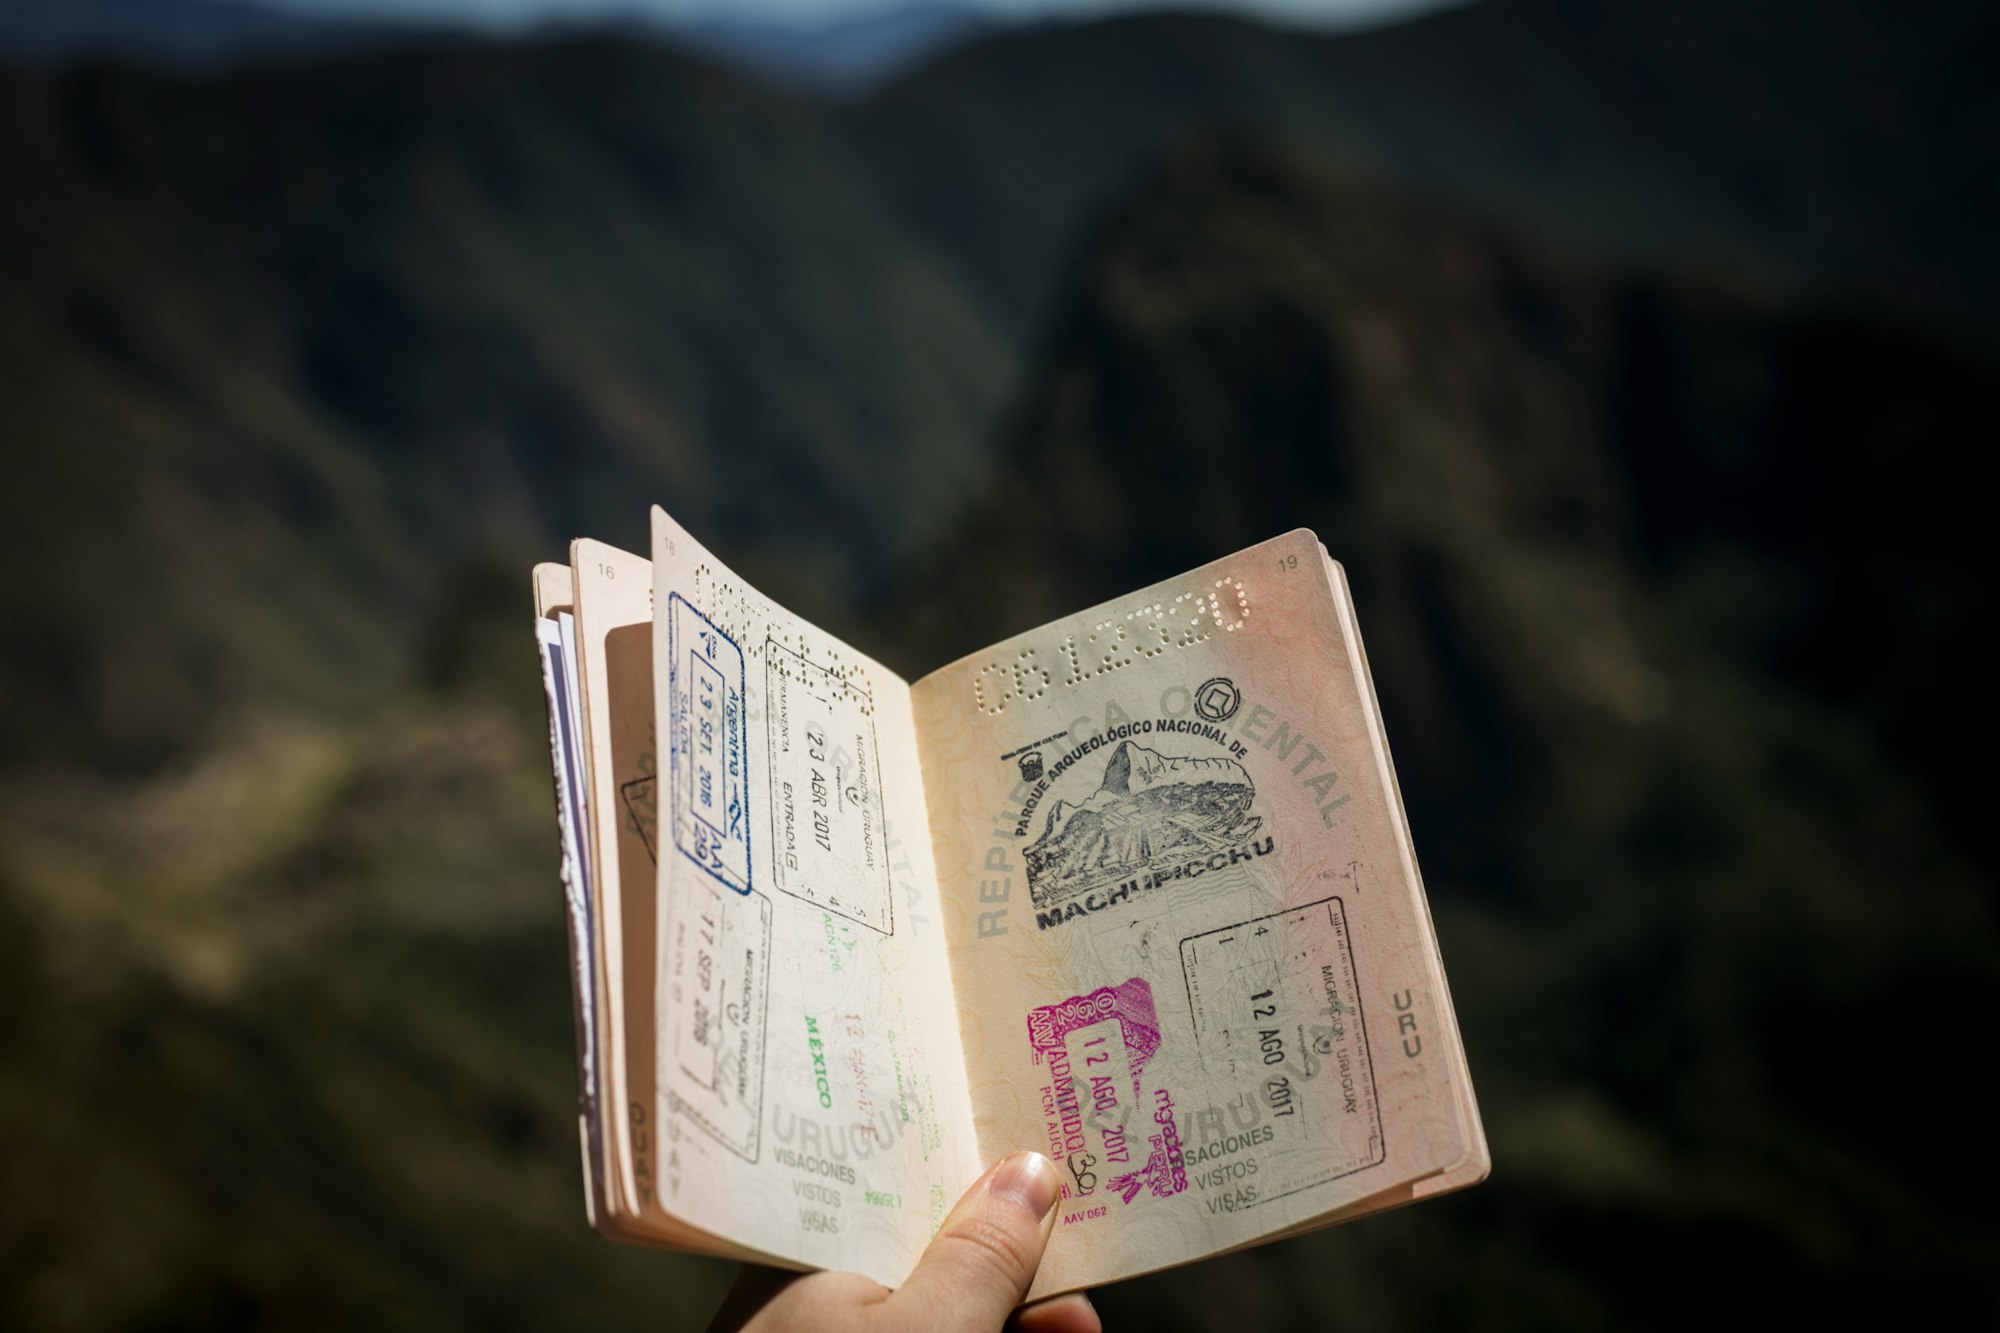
point(979, 1265)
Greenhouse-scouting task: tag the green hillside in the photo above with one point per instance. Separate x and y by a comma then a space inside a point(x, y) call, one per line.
point(1678, 743)
point(305, 349)
point(1628, 362)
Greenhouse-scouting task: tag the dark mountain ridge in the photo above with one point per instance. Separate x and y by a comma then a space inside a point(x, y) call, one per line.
point(382, 322)
point(840, 53)
point(1670, 584)
point(1675, 632)
point(1820, 147)
point(194, 33)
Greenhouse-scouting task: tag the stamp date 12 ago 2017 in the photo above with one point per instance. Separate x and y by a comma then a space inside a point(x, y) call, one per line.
point(1276, 1008)
point(1110, 1131)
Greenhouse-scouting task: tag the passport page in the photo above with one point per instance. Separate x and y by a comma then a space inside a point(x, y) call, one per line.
point(811, 1079)
point(1192, 955)
point(553, 603)
point(613, 597)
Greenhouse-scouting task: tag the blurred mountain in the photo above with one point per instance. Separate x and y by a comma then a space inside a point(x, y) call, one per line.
point(343, 336)
point(179, 32)
point(1675, 628)
point(1844, 145)
point(842, 51)
point(1626, 358)
point(1667, 608)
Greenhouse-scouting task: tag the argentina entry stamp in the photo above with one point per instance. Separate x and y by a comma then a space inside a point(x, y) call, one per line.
point(709, 745)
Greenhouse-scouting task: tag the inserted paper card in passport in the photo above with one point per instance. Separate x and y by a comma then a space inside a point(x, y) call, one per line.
point(1133, 889)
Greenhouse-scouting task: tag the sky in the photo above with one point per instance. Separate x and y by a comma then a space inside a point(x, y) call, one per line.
point(520, 13)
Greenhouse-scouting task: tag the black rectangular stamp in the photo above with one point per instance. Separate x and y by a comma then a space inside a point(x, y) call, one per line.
point(1276, 1007)
point(718, 965)
point(827, 841)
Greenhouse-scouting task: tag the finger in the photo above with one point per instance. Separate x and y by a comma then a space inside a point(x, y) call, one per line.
point(979, 1265)
point(1064, 1314)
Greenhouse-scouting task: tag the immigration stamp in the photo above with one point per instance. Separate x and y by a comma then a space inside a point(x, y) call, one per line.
point(718, 984)
point(708, 746)
point(1277, 1014)
point(827, 835)
point(1106, 1123)
point(1113, 828)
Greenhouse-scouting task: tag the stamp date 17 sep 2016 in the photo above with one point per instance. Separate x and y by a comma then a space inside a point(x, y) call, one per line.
point(718, 965)
point(1277, 1012)
point(718, 955)
point(1105, 1124)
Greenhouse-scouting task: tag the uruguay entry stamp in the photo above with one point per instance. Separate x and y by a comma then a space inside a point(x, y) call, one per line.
point(826, 791)
point(708, 738)
point(1106, 1124)
point(1277, 1011)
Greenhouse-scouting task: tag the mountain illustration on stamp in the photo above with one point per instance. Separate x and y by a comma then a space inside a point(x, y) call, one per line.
point(1151, 812)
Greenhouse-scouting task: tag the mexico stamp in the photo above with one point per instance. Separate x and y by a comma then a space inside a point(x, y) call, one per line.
point(827, 834)
point(1104, 1122)
point(708, 746)
point(718, 983)
point(1277, 1012)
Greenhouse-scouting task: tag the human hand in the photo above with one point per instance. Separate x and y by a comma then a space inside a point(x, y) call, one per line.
point(970, 1280)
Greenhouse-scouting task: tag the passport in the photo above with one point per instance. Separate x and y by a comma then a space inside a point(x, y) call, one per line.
point(1134, 889)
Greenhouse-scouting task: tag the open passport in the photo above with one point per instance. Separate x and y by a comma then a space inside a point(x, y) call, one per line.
point(1134, 889)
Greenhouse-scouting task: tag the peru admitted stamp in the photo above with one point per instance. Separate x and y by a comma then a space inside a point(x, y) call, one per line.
point(1106, 1123)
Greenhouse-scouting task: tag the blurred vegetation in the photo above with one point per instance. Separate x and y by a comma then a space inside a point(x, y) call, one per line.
point(1678, 744)
point(1633, 390)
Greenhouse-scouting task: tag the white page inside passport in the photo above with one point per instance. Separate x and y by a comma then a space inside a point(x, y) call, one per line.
point(811, 1075)
point(613, 594)
point(559, 683)
point(1185, 920)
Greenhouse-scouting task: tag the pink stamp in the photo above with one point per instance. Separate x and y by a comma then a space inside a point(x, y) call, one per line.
point(1100, 1115)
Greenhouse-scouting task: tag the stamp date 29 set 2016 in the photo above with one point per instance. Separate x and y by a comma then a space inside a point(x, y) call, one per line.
point(719, 928)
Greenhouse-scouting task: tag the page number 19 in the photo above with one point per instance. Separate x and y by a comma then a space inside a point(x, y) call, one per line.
point(1288, 562)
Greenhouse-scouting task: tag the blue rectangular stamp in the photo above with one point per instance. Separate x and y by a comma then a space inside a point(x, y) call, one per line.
point(708, 740)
